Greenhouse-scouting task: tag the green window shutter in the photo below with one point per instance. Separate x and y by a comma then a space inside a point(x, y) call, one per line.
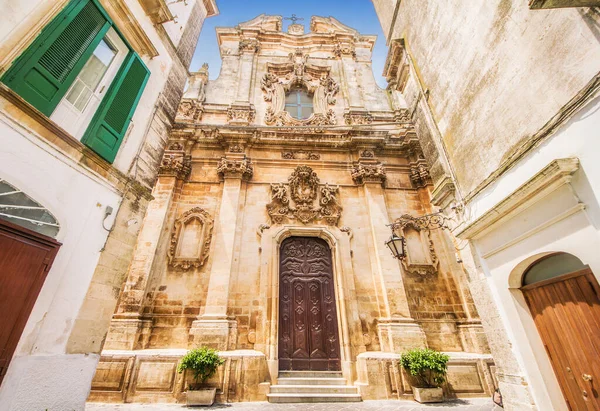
point(46, 70)
point(109, 125)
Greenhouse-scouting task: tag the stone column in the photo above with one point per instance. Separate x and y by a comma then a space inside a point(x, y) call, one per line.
point(397, 329)
point(214, 328)
point(128, 329)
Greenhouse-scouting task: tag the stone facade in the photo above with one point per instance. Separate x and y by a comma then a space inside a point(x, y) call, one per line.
point(69, 322)
point(205, 266)
point(495, 114)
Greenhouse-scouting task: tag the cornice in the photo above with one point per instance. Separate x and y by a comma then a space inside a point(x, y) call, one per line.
point(556, 174)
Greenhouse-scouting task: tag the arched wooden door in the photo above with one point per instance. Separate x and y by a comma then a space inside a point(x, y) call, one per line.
point(308, 327)
point(566, 311)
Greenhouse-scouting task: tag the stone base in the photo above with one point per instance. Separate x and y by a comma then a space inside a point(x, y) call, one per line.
point(128, 334)
point(151, 376)
point(218, 334)
point(380, 377)
point(398, 335)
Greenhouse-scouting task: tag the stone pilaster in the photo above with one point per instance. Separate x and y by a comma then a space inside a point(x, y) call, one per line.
point(128, 329)
point(214, 328)
point(396, 328)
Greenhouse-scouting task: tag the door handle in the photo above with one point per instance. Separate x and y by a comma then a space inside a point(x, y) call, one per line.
point(586, 377)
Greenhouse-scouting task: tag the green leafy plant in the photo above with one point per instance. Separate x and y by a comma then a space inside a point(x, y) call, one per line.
point(202, 362)
point(428, 367)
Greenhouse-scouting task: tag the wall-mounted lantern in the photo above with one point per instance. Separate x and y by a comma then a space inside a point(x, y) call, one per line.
point(396, 246)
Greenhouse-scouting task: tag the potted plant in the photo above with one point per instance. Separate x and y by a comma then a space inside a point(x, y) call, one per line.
point(428, 369)
point(203, 363)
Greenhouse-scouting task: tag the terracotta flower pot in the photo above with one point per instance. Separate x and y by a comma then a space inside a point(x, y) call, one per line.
point(203, 396)
point(425, 395)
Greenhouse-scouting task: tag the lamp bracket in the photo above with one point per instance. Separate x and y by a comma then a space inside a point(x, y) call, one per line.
point(427, 222)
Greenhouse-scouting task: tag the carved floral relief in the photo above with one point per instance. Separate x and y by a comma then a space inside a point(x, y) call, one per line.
point(190, 241)
point(303, 198)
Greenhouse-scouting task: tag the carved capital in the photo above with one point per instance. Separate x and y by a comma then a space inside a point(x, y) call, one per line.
point(190, 110)
point(230, 168)
point(359, 118)
point(249, 46)
point(240, 115)
point(368, 173)
point(419, 174)
point(175, 164)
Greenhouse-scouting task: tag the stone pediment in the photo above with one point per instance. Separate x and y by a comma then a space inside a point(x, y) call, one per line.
point(262, 22)
point(320, 24)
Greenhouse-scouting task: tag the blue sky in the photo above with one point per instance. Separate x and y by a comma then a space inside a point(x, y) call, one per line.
point(358, 14)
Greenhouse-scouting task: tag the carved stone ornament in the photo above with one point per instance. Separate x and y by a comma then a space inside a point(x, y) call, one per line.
point(368, 173)
point(300, 155)
point(240, 115)
point(316, 80)
point(303, 198)
point(355, 118)
point(420, 256)
point(175, 164)
point(340, 50)
point(402, 116)
point(231, 168)
point(367, 154)
point(190, 241)
point(190, 110)
point(249, 46)
point(419, 174)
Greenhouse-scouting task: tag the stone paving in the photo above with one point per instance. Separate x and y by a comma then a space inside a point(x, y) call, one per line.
point(478, 404)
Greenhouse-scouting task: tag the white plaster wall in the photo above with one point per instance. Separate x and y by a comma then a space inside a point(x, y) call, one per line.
point(577, 234)
point(78, 199)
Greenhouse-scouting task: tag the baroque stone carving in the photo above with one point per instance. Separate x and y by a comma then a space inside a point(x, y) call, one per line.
point(367, 154)
point(280, 78)
point(181, 253)
point(175, 164)
point(300, 155)
point(249, 45)
point(340, 50)
point(419, 175)
point(420, 257)
point(176, 146)
point(236, 148)
point(235, 168)
point(240, 115)
point(353, 118)
point(303, 198)
point(190, 110)
point(368, 173)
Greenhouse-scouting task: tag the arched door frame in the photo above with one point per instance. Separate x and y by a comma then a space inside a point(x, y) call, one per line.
point(345, 294)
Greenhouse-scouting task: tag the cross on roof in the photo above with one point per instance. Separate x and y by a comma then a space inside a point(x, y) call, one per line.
point(293, 18)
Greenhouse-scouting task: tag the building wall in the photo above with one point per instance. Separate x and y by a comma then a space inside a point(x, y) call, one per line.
point(67, 327)
point(500, 92)
point(223, 158)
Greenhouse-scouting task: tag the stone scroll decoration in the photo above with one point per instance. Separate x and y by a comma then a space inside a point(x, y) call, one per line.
point(316, 80)
point(190, 241)
point(304, 199)
point(421, 258)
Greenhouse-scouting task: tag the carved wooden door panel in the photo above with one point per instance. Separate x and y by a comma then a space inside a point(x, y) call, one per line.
point(308, 331)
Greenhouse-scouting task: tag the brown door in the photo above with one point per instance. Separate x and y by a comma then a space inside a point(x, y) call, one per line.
point(25, 258)
point(308, 331)
point(566, 310)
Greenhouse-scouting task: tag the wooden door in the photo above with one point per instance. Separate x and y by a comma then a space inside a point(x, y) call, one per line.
point(25, 258)
point(308, 328)
point(566, 311)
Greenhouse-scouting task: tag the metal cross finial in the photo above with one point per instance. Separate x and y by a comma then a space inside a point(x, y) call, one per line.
point(293, 18)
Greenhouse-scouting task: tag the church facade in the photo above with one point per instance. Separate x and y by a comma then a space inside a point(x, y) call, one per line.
point(281, 181)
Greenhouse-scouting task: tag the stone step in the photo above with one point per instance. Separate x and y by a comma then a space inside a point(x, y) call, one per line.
point(313, 389)
point(296, 398)
point(310, 374)
point(311, 381)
